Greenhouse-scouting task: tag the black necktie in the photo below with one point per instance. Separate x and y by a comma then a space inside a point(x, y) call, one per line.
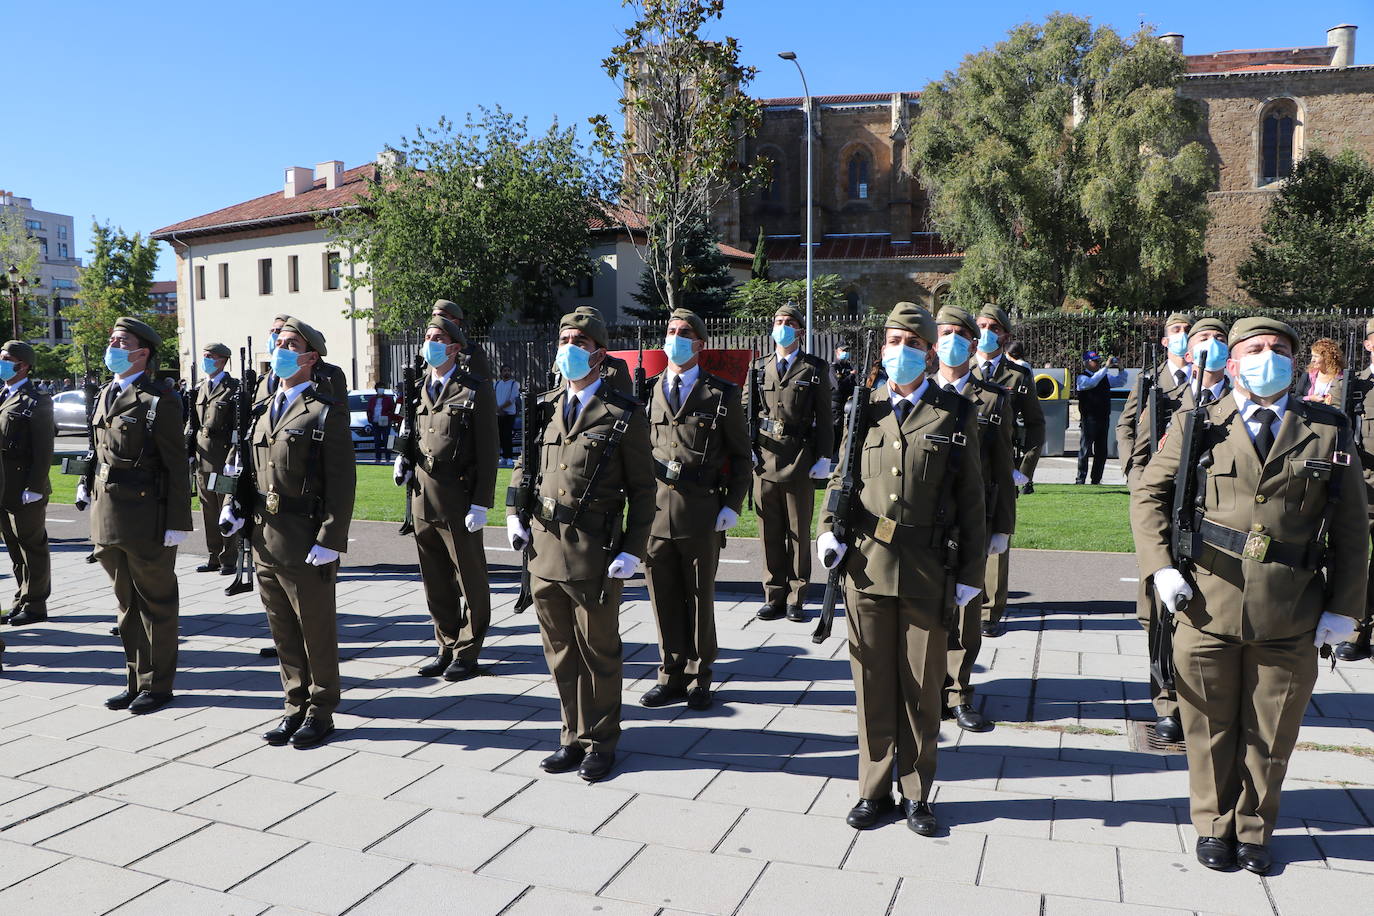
point(782, 367)
point(112, 395)
point(675, 398)
point(434, 389)
point(903, 408)
point(1264, 439)
point(278, 406)
point(574, 405)
point(1180, 376)
point(1207, 397)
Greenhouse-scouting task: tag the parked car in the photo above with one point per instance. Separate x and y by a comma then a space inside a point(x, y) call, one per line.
point(69, 410)
point(358, 423)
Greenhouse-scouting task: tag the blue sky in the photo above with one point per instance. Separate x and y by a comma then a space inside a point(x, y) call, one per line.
point(143, 114)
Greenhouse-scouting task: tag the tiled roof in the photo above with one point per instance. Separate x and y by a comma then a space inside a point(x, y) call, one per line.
point(733, 253)
point(849, 99)
point(163, 286)
point(861, 248)
point(278, 208)
point(1261, 59)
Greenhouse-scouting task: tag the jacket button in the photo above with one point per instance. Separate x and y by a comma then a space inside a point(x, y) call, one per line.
point(562, 492)
point(562, 467)
point(271, 464)
point(1257, 527)
point(892, 497)
point(1261, 498)
point(142, 493)
point(896, 472)
point(897, 443)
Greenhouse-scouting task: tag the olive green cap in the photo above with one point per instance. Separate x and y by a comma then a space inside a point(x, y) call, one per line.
point(1257, 325)
point(1208, 324)
point(217, 349)
point(1179, 318)
point(793, 311)
point(20, 351)
point(692, 318)
point(140, 330)
point(312, 337)
point(911, 317)
point(455, 333)
point(996, 313)
point(588, 310)
point(594, 328)
point(281, 316)
point(952, 314)
point(451, 309)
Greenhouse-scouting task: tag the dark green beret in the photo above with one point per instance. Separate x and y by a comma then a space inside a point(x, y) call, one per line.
point(692, 318)
point(1208, 324)
point(952, 314)
point(455, 333)
point(281, 316)
point(1257, 325)
point(588, 310)
point(793, 311)
point(996, 314)
point(594, 328)
point(1178, 318)
point(911, 317)
point(451, 309)
point(217, 349)
point(312, 337)
point(20, 351)
point(140, 330)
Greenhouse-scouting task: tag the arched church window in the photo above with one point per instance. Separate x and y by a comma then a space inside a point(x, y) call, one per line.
point(1278, 131)
point(859, 168)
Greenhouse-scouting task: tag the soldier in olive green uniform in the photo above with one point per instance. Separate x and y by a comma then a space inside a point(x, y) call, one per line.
point(26, 437)
point(140, 510)
point(594, 459)
point(917, 554)
point(958, 332)
point(795, 441)
point(1282, 500)
point(1357, 648)
point(209, 435)
point(701, 458)
point(614, 370)
point(474, 360)
point(994, 366)
point(329, 379)
point(303, 481)
point(455, 430)
point(1174, 376)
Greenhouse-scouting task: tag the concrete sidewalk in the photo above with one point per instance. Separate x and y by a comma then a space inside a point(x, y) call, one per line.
point(429, 799)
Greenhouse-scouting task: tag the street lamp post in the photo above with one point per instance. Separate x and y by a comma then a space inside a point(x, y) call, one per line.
point(17, 283)
point(810, 207)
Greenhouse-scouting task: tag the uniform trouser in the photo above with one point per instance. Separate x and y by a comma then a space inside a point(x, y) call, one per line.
point(1146, 612)
point(300, 604)
point(682, 589)
point(145, 585)
point(897, 653)
point(784, 511)
point(453, 565)
point(581, 638)
point(995, 595)
point(1092, 441)
point(223, 550)
point(1029, 461)
point(505, 427)
point(959, 663)
point(25, 531)
point(1362, 636)
point(1241, 703)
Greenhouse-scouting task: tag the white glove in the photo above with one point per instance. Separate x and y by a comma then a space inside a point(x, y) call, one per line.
point(998, 543)
point(229, 523)
point(1018, 478)
point(401, 472)
point(963, 594)
point(83, 496)
point(321, 556)
point(476, 519)
point(1170, 587)
point(28, 496)
point(623, 566)
point(821, 469)
point(726, 518)
point(172, 537)
point(1334, 628)
point(516, 532)
point(231, 470)
point(829, 547)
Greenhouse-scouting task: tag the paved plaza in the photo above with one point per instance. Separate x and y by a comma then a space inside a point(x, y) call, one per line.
point(429, 798)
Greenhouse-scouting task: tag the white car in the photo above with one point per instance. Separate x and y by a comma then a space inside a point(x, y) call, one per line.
point(358, 423)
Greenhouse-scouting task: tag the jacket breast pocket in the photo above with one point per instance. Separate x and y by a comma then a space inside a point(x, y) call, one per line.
point(1222, 483)
point(1307, 483)
point(126, 435)
point(872, 459)
point(930, 461)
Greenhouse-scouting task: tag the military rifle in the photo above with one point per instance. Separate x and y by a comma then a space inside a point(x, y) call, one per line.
point(84, 465)
point(241, 487)
point(1352, 401)
point(525, 498)
point(842, 503)
point(639, 380)
point(752, 394)
point(407, 442)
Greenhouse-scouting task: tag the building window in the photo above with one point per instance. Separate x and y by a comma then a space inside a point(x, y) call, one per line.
point(62, 251)
point(1277, 136)
point(224, 281)
point(585, 286)
point(43, 246)
point(293, 273)
point(264, 276)
point(33, 225)
point(200, 281)
point(331, 270)
point(63, 283)
point(858, 176)
point(61, 231)
point(937, 298)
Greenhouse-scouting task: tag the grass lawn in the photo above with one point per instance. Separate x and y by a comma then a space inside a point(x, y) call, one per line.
point(1054, 517)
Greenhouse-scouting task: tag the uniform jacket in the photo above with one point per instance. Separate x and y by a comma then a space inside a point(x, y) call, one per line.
point(1365, 392)
point(561, 552)
point(904, 476)
point(290, 462)
point(1283, 499)
point(475, 362)
point(458, 444)
point(211, 426)
point(1020, 385)
point(708, 437)
point(1132, 430)
point(800, 400)
point(26, 436)
point(995, 431)
point(141, 487)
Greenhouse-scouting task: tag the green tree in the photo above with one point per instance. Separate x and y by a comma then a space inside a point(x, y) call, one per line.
point(1061, 162)
point(706, 280)
point(20, 251)
point(117, 281)
point(1318, 246)
point(485, 215)
point(759, 299)
point(683, 111)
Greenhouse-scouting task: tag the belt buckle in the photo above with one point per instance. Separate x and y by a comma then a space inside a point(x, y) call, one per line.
point(272, 503)
point(1256, 547)
point(884, 530)
point(547, 505)
point(674, 470)
point(428, 463)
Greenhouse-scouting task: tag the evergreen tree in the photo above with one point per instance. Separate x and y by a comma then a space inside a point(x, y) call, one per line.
point(705, 279)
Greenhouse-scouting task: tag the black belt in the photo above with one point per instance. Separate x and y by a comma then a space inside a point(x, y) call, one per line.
point(929, 535)
point(664, 471)
point(274, 503)
point(1252, 545)
point(437, 466)
point(551, 510)
point(779, 429)
point(131, 476)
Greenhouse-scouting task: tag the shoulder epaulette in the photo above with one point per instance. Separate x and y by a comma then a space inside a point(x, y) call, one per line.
point(987, 385)
point(619, 398)
point(1318, 412)
point(946, 400)
point(720, 384)
point(319, 395)
point(468, 380)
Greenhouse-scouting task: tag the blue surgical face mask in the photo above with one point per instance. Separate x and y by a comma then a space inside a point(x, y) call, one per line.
point(435, 353)
point(285, 363)
point(7, 370)
point(843, 355)
point(953, 349)
point(988, 342)
point(903, 364)
point(573, 362)
point(1178, 343)
point(207, 365)
point(272, 340)
point(1211, 355)
point(678, 349)
point(117, 360)
point(1265, 373)
point(784, 335)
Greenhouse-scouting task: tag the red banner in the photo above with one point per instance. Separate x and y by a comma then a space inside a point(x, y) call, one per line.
point(731, 365)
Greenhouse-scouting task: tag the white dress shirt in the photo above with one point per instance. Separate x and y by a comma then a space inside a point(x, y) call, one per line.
point(1248, 407)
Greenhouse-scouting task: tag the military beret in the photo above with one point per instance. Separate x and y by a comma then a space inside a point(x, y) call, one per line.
point(281, 316)
point(996, 314)
point(313, 338)
point(20, 351)
point(692, 318)
point(140, 330)
point(1178, 318)
point(911, 317)
point(455, 333)
point(217, 349)
point(1207, 324)
point(588, 310)
point(1257, 325)
point(793, 311)
point(451, 309)
point(1369, 327)
point(594, 328)
point(952, 314)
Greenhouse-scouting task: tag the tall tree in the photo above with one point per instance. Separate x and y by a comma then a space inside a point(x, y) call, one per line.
point(117, 281)
point(1061, 162)
point(683, 111)
point(1318, 246)
point(484, 214)
point(20, 251)
point(706, 280)
point(759, 299)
